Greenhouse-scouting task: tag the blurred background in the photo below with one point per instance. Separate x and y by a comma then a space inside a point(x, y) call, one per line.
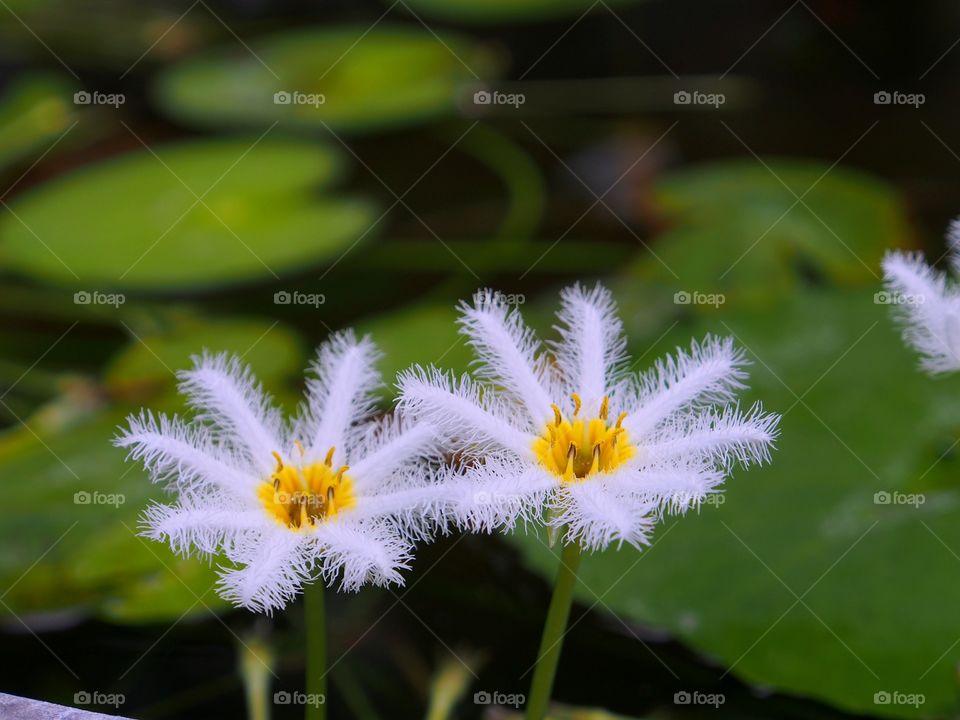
point(249, 176)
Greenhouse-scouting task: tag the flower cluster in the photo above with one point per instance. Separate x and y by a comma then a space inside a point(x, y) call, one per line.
point(565, 435)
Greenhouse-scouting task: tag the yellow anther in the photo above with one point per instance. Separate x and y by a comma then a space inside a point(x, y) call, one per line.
point(576, 448)
point(331, 506)
point(303, 496)
point(595, 465)
point(328, 460)
point(299, 447)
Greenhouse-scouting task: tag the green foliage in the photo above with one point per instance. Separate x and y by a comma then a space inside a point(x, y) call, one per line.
point(77, 503)
point(752, 232)
point(185, 215)
point(801, 561)
point(34, 112)
point(368, 79)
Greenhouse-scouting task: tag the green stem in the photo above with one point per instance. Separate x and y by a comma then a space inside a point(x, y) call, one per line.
point(316, 680)
point(553, 632)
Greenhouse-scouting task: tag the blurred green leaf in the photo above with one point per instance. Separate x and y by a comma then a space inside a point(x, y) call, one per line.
point(152, 360)
point(349, 78)
point(78, 503)
point(136, 221)
point(740, 229)
point(34, 112)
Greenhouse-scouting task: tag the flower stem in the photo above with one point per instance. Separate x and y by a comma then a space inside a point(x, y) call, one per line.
point(553, 631)
point(316, 680)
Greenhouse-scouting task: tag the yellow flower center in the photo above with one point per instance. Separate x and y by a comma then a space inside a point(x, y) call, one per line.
point(577, 448)
point(301, 496)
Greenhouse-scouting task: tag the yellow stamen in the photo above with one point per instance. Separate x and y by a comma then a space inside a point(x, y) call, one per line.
point(579, 448)
point(301, 497)
point(558, 418)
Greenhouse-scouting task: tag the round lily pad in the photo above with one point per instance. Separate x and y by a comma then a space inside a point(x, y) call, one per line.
point(186, 215)
point(349, 78)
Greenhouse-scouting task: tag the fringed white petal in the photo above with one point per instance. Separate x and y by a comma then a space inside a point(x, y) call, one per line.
point(953, 243)
point(595, 515)
point(725, 437)
point(709, 374)
point(675, 487)
point(509, 353)
point(361, 553)
point(498, 493)
point(414, 507)
point(463, 410)
point(190, 528)
point(184, 455)
point(389, 445)
point(592, 348)
point(927, 308)
point(340, 394)
point(225, 393)
point(275, 566)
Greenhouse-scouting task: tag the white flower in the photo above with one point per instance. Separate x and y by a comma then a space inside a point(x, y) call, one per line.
point(575, 433)
point(334, 492)
point(927, 304)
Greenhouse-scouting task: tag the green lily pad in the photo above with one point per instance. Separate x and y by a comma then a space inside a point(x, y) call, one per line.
point(349, 78)
point(34, 112)
point(739, 229)
point(136, 221)
point(78, 506)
